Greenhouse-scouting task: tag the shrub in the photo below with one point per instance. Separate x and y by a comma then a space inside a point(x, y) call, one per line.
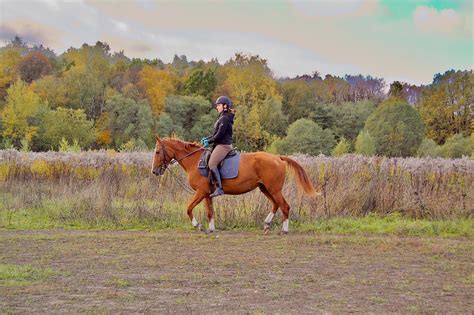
point(396, 127)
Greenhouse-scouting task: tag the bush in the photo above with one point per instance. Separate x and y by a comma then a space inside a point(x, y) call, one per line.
point(342, 147)
point(396, 127)
point(365, 144)
point(457, 146)
point(305, 136)
point(428, 148)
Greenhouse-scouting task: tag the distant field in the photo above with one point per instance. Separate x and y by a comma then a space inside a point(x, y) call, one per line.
point(51, 271)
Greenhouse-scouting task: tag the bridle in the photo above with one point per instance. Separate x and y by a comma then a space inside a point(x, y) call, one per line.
point(167, 161)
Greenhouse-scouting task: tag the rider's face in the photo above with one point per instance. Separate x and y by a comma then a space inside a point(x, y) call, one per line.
point(220, 107)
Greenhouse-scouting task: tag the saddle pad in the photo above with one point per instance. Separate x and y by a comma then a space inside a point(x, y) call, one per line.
point(229, 168)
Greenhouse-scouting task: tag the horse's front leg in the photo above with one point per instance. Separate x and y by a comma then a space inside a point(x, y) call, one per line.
point(210, 214)
point(197, 198)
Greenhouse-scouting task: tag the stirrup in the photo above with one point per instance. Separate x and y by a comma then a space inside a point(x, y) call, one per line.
point(217, 192)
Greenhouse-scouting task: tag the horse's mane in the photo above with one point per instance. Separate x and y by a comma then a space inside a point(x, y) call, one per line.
point(182, 143)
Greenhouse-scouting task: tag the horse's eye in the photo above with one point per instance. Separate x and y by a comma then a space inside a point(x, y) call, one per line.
point(157, 152)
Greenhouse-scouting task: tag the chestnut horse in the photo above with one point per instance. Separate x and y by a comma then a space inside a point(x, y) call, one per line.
point(263, 170)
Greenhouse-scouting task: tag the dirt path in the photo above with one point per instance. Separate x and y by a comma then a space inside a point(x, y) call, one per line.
point(238, 272)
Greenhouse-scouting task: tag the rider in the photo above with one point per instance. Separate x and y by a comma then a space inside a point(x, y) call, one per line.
point(221, 139)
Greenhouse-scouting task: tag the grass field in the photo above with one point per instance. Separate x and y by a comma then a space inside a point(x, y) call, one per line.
point(51, 271)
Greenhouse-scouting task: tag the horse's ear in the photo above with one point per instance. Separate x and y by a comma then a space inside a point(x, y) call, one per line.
point(158, 139)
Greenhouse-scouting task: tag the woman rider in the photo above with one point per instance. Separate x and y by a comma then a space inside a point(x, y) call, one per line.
point(221, 139)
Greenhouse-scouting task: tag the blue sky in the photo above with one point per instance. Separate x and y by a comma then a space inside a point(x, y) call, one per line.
point(406, 40)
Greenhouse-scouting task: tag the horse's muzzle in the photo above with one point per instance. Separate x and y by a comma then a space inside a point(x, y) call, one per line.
point(159, 171)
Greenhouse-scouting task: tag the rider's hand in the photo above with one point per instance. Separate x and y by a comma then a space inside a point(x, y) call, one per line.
point(205, 142)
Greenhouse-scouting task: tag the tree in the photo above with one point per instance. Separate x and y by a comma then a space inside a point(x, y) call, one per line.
point(157, 84)
point(129, 119)
point(305, 136)
point(9, 59)
point(298, 99)
point(51, 90)
point(396, 127)
point(447, 105)
point(70, 125)
point(33, 66)
point(271, 117)
point(185, 111)
point(87, 78)
point(348, 119)
point(22, 114)
point(201, 82)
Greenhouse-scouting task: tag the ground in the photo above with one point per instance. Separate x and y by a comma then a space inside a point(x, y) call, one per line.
point(174, 271)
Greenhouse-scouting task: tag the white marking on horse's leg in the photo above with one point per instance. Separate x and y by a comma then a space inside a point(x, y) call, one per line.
point(211, 225)
point(285, 225)
point(195, 222)
point(269, 217)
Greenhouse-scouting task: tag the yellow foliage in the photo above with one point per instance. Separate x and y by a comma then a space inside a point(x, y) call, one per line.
point(157, 84)
point(4, 171)
point(86, 172)
point(9, 59)
point(41, 168)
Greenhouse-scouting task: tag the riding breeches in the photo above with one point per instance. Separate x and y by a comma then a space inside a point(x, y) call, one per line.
point(218, 154)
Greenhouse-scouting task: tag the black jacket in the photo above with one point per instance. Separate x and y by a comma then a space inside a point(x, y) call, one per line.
point(222, 129)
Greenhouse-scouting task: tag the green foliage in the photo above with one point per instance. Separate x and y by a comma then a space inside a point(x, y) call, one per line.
point(133, 145)
point(428, 148)
point(396, 127)
point(298, 99)
point(64, 146)
point(201, 82)
point(249, 134)
point(305, 136)
point(69, 124)
point(457, 146)
point(203, 126)
point(342, 147)
point(165, 127)
point(184, 113)
point(365, 144)
point(129, 119)
point(349, 118)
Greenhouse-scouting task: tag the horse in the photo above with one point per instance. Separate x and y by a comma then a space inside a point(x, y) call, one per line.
point(259, 169)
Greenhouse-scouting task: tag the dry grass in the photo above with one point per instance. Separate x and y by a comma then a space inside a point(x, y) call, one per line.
point(118, 187)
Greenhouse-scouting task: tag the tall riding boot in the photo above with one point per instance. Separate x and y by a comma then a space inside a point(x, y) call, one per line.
point(217, 176)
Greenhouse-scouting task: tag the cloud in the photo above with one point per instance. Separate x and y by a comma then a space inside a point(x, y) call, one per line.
point(30, 32)
point(334, 8)
point(120, 26)
point(446, 21)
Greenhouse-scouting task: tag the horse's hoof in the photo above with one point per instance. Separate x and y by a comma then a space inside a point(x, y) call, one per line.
point(199, 228)
point(283, 233)
point(266, 230)
point(209, 231)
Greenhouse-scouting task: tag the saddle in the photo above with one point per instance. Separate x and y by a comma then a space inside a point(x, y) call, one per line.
point(228, 167)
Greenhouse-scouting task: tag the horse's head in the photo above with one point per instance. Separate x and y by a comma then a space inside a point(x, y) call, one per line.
point(162, 158)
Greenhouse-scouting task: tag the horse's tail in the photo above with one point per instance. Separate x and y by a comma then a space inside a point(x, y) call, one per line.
point(302, 179)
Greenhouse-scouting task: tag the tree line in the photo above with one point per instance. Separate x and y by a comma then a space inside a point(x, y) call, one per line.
point(91, 98)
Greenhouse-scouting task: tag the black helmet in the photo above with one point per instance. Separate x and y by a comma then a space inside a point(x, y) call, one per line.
point(224, 100)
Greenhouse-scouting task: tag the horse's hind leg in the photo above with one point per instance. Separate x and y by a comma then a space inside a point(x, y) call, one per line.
point(285, 209)
point(210, 214)
point(268, 220)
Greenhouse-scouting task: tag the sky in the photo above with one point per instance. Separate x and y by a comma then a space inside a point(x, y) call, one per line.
point(404, 40)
